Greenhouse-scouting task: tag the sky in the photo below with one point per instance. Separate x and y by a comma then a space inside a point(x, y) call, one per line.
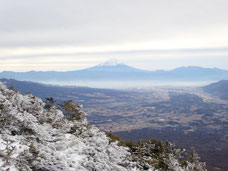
point(69, 35)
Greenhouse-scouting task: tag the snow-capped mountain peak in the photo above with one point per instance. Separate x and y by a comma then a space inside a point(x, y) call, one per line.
point(113, 65)
point(111, 62)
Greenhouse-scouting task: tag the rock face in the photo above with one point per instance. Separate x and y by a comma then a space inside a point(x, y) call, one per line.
point(39, 137)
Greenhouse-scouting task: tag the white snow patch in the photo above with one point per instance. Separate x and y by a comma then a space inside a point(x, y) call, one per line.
point(111, 62)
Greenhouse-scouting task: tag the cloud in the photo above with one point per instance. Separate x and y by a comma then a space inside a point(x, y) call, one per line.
point(51, 22)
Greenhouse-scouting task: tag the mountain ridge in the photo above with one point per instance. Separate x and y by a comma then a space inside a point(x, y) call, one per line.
point(218, 89)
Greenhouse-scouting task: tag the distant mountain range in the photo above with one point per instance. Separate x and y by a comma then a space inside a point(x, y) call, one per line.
point(219, 89)
point(113, 70)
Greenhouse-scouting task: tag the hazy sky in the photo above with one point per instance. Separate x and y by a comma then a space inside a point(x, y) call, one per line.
point(149, 34)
